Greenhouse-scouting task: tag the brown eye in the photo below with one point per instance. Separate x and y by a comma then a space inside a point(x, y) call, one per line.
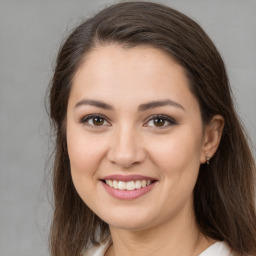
point(98, 121)
point(159, 122)
point(95, 121)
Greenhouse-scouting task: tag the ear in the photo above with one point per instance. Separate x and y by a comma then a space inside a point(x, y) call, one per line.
point(212, 136)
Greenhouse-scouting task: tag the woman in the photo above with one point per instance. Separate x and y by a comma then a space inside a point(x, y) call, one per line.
point(151, 158)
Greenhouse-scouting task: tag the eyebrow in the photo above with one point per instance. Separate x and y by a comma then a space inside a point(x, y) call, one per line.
point(142, 107)
point(95, 103)
point(160, 103)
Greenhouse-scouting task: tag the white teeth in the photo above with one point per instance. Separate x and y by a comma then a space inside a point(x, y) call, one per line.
point(137, 184)
point(115, 184)
point(130, 185)
point(110, 183)
point(121, 185)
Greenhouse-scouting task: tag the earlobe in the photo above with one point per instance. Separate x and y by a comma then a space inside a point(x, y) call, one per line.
point(212, 136)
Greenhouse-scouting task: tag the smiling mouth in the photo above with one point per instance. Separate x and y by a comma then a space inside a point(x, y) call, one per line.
point(129, 185)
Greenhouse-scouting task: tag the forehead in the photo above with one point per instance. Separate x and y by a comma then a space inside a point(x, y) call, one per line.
point(125, 59)
point(138, 73)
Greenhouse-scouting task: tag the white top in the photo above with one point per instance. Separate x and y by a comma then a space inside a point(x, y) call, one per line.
point(217, 249)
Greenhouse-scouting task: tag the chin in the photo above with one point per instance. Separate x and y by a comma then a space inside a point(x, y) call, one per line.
point(135, 226)
point(128, 221)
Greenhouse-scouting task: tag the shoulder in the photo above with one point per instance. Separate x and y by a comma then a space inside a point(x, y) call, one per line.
point(217, 249)
point(97, 250)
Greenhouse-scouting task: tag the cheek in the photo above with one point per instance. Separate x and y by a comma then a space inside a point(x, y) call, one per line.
point(85, 154)
point(178, 154)
point(178, 159)
point(84, 150)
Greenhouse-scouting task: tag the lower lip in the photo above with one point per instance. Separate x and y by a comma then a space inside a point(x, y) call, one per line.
point(128, 194)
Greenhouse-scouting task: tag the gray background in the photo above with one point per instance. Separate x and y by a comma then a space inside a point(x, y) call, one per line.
point(30, 33)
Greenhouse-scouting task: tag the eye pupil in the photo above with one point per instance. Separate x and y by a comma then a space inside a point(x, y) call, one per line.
point(159, 122)
point(98, 121)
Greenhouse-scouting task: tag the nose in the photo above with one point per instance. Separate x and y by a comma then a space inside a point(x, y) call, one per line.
point(126, 148)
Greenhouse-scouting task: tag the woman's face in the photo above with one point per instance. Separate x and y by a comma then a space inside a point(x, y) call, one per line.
point(135, 137)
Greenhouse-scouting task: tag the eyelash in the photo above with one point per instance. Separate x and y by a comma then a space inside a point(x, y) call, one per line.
point(169, 120)
point(165, 118)
point(86, 119)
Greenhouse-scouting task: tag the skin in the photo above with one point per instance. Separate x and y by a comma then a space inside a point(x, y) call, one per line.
point(128, 141)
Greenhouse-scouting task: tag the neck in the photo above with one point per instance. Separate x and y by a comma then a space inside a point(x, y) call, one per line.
point(176, 237)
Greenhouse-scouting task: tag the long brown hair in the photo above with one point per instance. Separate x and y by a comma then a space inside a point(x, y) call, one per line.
point(224, 193)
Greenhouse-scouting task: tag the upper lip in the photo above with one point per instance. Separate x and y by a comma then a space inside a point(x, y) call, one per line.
point(126, 178)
